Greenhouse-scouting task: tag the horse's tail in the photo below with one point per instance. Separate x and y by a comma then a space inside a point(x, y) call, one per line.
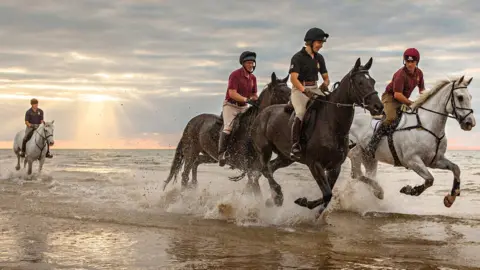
point(176, 164)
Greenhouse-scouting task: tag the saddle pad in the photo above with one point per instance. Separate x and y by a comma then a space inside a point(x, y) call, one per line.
point(376, 122)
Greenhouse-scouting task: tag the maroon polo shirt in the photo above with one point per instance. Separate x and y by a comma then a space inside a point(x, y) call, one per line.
point(404, 82)
point(243, 82)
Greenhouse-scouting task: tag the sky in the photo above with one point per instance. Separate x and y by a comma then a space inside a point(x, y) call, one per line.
point(131, 74)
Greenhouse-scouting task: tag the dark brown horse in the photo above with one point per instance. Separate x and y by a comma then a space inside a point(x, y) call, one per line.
point(324, 133)
point(199, 142)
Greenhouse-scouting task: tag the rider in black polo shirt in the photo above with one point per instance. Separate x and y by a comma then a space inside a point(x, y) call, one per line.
point(304, 68)
point(33, 118)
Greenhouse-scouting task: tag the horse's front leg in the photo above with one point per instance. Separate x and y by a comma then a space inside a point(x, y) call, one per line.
point(322, 181)
point(40, 164)
point(18, 162)
point(417, 165)
point(355, 156)
point(445, 164)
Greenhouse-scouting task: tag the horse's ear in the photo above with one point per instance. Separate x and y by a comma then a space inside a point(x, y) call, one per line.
point(469, 81)
point(285, 80)
point(274, 77)
point(357, 64)
point(461, 79)
point(53, 121)
point(368, 65)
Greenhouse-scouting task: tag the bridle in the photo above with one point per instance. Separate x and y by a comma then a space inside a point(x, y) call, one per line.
point(361, 100)
point(44, 137)
point(454, 114)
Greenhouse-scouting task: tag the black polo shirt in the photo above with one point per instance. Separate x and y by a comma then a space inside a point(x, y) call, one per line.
point(306, 66)
point(34, 117)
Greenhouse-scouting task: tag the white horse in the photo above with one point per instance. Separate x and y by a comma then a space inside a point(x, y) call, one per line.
point(36, 147)
point(419, 139)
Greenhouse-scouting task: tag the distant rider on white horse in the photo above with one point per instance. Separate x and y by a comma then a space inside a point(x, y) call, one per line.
point(33, 118)
point(397, 94)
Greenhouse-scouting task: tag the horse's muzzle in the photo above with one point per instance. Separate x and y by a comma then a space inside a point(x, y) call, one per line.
point(467, 124)
point(51, 143)
point(376, 108)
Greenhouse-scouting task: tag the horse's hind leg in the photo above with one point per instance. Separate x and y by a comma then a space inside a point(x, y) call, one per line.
point(201, 159)
point(189, 161)
point(445, 164)
point(276, 189)
point(253, 185)
point(417, 165)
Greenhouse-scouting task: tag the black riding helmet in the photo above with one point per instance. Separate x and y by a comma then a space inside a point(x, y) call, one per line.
point(314, 34)
point(248, 56)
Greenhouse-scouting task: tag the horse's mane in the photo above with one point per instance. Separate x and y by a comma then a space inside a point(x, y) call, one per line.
point(429, 93)
point(252, 110)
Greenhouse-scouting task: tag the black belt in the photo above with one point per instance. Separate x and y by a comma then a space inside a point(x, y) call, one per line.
point(312, 83)
point(234, 102)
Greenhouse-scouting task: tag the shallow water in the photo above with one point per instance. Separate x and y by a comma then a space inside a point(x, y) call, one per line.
point(106, 210)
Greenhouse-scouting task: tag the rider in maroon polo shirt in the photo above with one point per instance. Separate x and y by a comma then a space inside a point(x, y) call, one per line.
point(398, 92)
point(242, 88)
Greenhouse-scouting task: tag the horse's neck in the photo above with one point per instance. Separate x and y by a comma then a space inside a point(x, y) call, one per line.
point(341, 117)
point(36, 137)
point(436, 103)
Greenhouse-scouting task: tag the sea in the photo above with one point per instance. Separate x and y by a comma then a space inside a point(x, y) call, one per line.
point(106, 209)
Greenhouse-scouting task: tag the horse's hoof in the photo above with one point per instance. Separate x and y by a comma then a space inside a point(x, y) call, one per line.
point(379, 194)
point(406, 190)
point(278, 200)
point(17, 168)
point(449, 200)
point(302, 201)
point(320, 211)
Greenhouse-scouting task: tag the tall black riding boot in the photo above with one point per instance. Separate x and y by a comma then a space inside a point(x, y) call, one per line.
point(24, 146)
point(296, 151)
point(222, 148)
point(375, 140)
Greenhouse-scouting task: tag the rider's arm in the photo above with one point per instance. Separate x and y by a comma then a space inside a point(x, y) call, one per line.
point(326, 79)
point(236, 96)
point(27, 118)
point(294, 72)
point(294, 80)
point(41, 116)
point(401, 98)
point(398, 86)
point(421, 84)
point(232, 89)
point(254, 95)
point(323, 70)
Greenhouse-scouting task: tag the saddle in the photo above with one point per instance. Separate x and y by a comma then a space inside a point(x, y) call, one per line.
point(309, 119)
point(220, 119)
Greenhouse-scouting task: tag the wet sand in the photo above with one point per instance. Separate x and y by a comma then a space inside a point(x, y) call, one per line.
point(106, 210)
point(37, 234)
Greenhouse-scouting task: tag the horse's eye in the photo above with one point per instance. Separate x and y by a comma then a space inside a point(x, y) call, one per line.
point(460, 98)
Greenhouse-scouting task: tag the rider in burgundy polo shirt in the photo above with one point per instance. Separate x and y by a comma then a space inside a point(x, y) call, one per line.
point(242, 88)
point(398, 92)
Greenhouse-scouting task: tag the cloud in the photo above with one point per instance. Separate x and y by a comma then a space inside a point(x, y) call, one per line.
point(156, 64)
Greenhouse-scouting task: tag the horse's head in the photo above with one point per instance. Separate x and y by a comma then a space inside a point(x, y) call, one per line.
point(49, 129)
point(362, 88)
point(460, 105)
point(276, 92)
